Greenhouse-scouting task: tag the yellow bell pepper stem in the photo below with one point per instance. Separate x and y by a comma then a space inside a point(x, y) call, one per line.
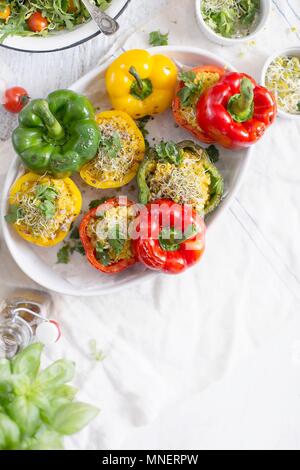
point(140, 89)
point(141, 84)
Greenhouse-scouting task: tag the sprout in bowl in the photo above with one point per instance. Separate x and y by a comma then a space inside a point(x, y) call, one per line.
point(228, 22)
point(281, 74)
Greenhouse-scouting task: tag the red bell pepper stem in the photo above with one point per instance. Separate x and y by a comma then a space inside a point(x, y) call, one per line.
point(241, 105)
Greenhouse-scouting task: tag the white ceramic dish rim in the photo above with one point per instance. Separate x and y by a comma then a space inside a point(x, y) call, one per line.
point(284, 52)
point(126, 283)
point(231, 41)
point(52, 43)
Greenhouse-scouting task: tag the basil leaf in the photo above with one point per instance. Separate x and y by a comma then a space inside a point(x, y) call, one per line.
point(5, 371)
point(60, 372)
point(156, 38)
point(46, 440)
point(27, 362)
point(71, 418)
point(9, 433)
point(25, 414)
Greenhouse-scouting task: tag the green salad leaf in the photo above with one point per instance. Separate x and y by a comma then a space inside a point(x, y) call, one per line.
point(57, 13)
point(38, 408)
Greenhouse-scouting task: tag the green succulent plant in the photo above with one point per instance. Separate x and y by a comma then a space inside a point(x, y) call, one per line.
point(37, 408)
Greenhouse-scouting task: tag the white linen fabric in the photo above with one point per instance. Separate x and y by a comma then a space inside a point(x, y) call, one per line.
point(173, 337)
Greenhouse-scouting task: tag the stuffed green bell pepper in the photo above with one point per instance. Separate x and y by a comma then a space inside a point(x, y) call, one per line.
point(181, 172)
point(57, 135)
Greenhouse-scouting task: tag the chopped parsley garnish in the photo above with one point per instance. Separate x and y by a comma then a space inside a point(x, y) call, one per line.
point(102, 254)
point(169, 152)
point(111, 145)
point(141, 123)
point(63, 255)
point(14, 213)
point(97, 202)
point(73, 245)
point(213, 153)
point(46, 195)
point(117, 242)
point(191, 88)
point(156, 38)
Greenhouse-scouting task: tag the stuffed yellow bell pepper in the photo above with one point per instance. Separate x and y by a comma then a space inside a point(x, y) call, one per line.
point(121, 149)
point(42, 209)
point(140, 83)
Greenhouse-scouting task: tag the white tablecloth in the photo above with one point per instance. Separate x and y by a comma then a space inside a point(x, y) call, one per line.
point(172, 338)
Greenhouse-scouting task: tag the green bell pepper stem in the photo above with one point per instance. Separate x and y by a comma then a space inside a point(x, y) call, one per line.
point(241, 106)
point(42, 110)
point(57, 135)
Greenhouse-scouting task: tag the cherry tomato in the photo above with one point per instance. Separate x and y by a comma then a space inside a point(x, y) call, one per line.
point(4, 11)
point(15, 99)
point(37, 23)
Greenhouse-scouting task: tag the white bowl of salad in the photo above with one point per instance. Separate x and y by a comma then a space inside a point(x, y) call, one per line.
point(48, 26)
point(281, 74)
point(230, 22)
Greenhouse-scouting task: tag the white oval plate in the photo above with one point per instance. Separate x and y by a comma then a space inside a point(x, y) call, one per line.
point(63, 39)
point(78, 277)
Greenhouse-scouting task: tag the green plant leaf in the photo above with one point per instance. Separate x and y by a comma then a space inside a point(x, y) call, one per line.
point(213, 153)
point(46, 440)
point(156, 38)
point(97, 202)
point(20, 384)
point(5, 371)
point(9, 433)
point(63, 255)
point(14, 213)
point(25, 414)
point(27, 362)
point(73, 417)
point(60, 372)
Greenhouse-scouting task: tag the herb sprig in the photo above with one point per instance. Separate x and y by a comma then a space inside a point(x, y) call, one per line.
point(156, 38)
point(191, 88)
point(169, 152)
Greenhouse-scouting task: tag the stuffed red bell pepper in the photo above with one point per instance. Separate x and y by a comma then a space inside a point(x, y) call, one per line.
point(104, 235)
point(171, 237)
point(189, 88)
point(236, 111)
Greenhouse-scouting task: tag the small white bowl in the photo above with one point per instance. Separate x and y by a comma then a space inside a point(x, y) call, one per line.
point(292, 51)
point(221, 40)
